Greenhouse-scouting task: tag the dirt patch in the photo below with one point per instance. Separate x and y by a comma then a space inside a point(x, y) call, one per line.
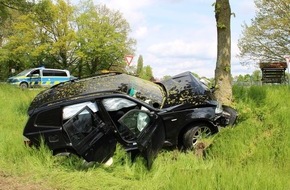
point(8, 182)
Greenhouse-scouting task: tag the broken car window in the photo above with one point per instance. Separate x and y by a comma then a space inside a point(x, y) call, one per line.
point(71, 110)
point(83, 124)
point(135, 120)
point(114, 104)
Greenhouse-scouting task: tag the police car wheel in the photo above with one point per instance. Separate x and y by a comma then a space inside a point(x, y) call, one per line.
point(23, 85)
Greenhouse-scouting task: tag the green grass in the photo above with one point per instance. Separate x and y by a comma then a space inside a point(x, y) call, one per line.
point(255, 154)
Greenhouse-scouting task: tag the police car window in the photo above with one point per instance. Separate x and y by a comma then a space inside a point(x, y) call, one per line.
point(35, 72)
point(60, 73)
point(47, 73)
point(71, 110)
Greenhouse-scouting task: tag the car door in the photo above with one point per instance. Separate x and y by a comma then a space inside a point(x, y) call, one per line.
point(89, 136)
point(35, 78)
point(148, 130)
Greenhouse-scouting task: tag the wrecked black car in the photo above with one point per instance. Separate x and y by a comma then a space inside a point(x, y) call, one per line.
point(88, 117)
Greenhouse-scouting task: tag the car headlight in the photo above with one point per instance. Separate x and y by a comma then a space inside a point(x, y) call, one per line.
point(12, 80)
point(219, 108)
point(15, 80)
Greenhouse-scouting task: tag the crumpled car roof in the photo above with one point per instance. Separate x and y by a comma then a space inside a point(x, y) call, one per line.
point(122, 83)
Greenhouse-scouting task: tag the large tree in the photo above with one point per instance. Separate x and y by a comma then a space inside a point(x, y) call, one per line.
point(147, 73)
point(139, 65)
point(223, 85)
point(8, 10)
point(55, 34)
point(267, 38)
point(7, 5)
point(43, 37)
point(103, 36)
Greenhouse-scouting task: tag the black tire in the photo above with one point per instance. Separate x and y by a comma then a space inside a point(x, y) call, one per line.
point(193, 134)
point(23, 85)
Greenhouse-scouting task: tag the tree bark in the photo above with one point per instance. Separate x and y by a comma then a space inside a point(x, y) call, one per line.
point(223, 85)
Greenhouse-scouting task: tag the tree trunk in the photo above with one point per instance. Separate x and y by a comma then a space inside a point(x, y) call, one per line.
point(223, 85)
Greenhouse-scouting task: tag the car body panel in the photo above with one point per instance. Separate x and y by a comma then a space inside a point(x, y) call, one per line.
point(185, 88)
point(85, 131)
point(184, 118)
point(150, 136)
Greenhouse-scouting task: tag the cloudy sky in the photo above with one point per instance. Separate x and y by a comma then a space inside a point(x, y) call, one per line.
point(174, 36)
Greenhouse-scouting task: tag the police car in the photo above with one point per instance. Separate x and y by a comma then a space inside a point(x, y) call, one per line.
point(36, 77)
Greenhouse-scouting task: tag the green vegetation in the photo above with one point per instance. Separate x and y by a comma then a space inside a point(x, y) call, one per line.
point(85, 38)
point(255, 154)
point(266, 38)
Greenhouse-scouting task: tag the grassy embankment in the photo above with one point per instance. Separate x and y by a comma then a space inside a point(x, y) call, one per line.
point(253, 155)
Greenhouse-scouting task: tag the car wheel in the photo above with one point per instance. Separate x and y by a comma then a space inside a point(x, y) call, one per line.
point(232, 114)
point(194, 134)
point(23, 85)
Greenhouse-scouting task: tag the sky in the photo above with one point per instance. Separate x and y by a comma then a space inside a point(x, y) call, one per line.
point(174, 36)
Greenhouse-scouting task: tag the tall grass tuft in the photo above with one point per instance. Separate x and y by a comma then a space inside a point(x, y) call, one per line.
point(254, 154)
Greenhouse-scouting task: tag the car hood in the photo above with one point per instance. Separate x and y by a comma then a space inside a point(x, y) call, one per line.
point(185, 88)
point(120, 83)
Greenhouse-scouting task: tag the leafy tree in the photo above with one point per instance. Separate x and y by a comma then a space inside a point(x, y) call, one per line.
point(103, 38)
point(267, 37)
point(147, 73)
point(139, 65)
point(8, 10)
point(9, 53)
point(223, 84)
point(240, 78)
point(7, 5)
point(257, 76)
point(56, 33)
point(247, 78)
point(15, 4)
point(43, 37)
point(196, 75)
point(166, 77)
